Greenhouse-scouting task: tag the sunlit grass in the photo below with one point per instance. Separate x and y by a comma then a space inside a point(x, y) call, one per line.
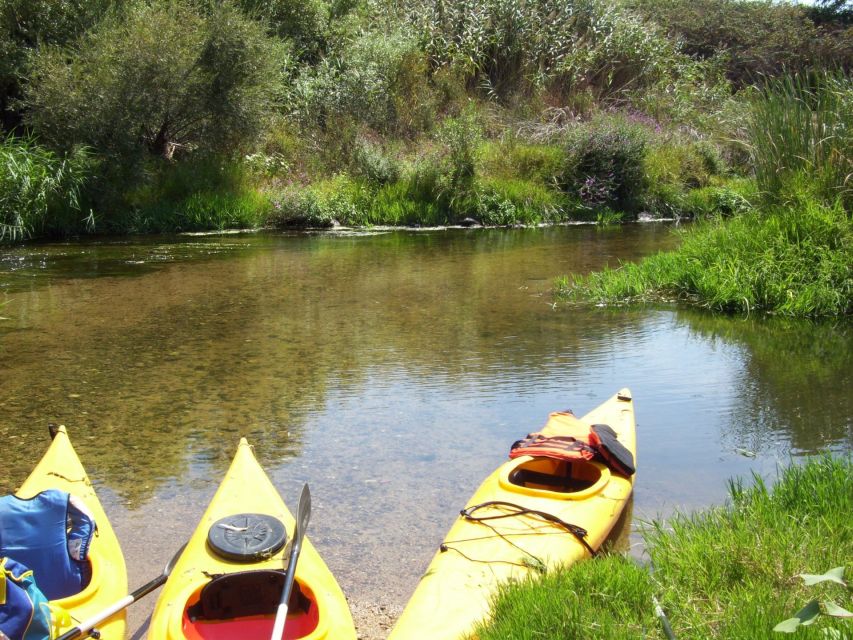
point(790, 261)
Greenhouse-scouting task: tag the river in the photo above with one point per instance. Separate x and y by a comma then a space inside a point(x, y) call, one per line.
point(389, 369)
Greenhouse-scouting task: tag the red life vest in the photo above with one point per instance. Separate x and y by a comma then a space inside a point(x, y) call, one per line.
point(563, 436)
point(566, 438)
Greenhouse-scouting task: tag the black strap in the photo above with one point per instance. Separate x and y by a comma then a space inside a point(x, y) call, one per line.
point(578, 532)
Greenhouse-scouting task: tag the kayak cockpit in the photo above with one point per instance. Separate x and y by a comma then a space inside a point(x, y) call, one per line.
point(243, 605)
point(555, 478)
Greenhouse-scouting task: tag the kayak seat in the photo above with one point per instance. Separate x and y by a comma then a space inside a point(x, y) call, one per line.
point(554, 475)
point(243, 605)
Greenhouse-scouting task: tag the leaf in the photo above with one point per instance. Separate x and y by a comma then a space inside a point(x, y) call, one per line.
point(809, 613)
point(805, 616)
point(832, 609)
point(787, 626)
point(745, 452)
point(835, 634)
point(833, 575)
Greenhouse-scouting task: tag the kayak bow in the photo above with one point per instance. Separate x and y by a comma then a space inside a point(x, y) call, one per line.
point(228, 581)
point(60, 468)
point(532, 513)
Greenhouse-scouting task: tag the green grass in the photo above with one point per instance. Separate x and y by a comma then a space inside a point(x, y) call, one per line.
point(795, 262)
point(39, 189)
point(729, 572)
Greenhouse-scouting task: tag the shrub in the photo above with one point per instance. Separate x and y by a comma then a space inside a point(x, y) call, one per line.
point(673, 168)
point(303, 22)
point(372, 80)
point(373, 164)
point(163, 77)
point(40, 190)
point(604, 163)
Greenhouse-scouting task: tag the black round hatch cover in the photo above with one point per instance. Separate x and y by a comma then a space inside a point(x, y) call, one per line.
point(246, 537)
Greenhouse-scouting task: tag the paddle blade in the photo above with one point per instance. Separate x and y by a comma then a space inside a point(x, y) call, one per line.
point(303, 513)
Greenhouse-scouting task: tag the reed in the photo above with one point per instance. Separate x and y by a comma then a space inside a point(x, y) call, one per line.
point(803, 124)
point(39, 190)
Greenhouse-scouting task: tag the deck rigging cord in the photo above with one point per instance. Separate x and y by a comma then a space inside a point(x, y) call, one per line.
point(513, 510)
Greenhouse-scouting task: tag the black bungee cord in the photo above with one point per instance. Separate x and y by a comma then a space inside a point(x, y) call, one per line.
point(517, 510)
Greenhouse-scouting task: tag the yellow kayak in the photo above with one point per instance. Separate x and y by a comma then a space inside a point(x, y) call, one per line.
point(227, 581)
point(538, 501)
point(60, 468)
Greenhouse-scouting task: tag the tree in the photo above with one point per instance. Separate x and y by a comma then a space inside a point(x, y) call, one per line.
point(167, 77)
point(25, 25)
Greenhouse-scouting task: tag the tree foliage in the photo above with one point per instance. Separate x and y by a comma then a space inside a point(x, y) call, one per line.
point(25, 25)
point(166, 77)
point(754, 37)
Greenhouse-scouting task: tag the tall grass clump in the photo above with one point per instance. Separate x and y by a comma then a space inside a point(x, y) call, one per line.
point(796, 262)
point(200, 193)
point(611, 593)
point(732, 572)
point(723, 573)
point(803, 124)
point(39, 190)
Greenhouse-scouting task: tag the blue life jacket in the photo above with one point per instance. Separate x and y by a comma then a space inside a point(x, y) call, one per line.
point(24, 612)
point(36, 533)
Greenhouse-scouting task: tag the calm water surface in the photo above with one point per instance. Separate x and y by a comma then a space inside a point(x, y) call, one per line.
point(391, 371)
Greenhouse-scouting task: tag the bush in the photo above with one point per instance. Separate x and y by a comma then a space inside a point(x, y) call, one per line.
point(604, 163)
point(163, 77)
point(302, 22)
point(674, 167)
point(39, 190)
point(376, 79)
point(373, 164)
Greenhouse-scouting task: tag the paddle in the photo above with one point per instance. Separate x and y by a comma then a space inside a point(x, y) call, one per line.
point(87, 625)
point(303, 514)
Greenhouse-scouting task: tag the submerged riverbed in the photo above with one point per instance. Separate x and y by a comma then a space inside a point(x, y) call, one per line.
point(391, 371)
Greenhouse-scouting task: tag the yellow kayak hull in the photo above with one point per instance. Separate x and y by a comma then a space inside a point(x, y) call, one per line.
point(456, 591)
point(60, 468)
point(247, 489)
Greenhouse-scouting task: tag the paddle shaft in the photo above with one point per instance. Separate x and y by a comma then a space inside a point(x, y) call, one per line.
point(91, 623)
point(303, 513)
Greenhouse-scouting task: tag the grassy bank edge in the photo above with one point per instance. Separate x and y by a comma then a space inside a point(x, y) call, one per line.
point(726, 572)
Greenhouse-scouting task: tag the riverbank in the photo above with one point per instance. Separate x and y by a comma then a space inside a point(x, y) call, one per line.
point(734, 571)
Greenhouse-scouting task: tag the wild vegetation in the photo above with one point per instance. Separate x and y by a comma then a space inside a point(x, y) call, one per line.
point(773, 560)
point(195, 114)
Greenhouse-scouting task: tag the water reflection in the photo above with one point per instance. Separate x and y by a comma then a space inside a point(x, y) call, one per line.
point(391, 371)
